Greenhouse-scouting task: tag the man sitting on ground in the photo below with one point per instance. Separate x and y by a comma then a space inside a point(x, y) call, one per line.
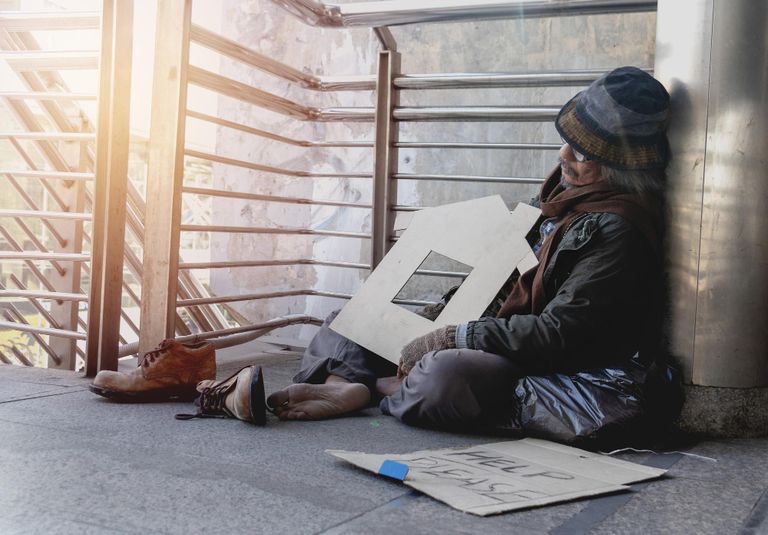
point(590, 303)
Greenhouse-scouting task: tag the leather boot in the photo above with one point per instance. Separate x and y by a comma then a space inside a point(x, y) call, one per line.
point(239, 396)
point(170, 371)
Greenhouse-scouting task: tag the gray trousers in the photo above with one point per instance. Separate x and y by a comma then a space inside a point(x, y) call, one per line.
point(449, 389)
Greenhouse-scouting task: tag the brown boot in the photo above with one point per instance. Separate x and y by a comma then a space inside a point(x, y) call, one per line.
point(239, 396)
point(170, 371)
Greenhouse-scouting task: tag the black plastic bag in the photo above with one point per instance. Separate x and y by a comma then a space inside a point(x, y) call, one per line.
point(600, 408)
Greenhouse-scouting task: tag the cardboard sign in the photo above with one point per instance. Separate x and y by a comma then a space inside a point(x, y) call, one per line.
point(504, 476)
point(480, 233)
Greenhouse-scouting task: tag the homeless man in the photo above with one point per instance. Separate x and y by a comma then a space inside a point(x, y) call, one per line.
point(589, 304)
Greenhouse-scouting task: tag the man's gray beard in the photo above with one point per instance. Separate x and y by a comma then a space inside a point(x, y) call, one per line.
point(563, 182)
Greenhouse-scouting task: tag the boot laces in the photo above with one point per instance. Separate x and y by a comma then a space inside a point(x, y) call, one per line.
point(211, 400)
point(150, 357)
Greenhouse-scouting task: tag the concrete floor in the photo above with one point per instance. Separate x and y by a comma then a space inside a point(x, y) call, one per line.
point(71, 462)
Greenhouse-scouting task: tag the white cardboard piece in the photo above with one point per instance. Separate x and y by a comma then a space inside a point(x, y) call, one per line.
point(505, 476)
point(480, 233)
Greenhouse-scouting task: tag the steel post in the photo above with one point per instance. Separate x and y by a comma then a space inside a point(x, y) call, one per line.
point(165, 174)
point(385, 154)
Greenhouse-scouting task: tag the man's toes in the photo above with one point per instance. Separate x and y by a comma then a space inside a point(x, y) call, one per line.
point(278, 399)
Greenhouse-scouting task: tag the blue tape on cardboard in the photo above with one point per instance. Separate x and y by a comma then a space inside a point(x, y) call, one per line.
point(394, 470)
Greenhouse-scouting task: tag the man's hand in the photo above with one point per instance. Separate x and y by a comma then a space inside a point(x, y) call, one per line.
point(442, 338)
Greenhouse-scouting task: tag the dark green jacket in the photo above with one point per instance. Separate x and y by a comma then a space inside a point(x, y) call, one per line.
point(603, 285)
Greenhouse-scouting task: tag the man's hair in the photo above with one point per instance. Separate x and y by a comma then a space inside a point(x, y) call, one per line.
point(642, 181)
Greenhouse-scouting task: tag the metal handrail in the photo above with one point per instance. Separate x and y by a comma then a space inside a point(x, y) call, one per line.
point(49, 136)
point(61, 175)
point(470, 178)
point(397, 12)
point(264, 99)
point(41, 330)
point(275, 137)
point(269, 198)
point(233, 335)
point(47, 315)
point(44, 95)
point(497, 80)
point(255, 296)
point(35, 303)
point(58, 296)
point(493, 146)
point(303, 262)
point(31, 265)
point(32, 205)
point(288, 293)
point(17, 21)
point(271, 263)
point(274, 230)
point(476, 113)
point(268, 168)
point(44, 60)
point(35, 255)
point(13, 314)
point(235, 50)
point(244, 92)
point(46, 215)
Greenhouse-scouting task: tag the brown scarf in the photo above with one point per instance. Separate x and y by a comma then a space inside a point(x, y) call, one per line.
point(567, 204)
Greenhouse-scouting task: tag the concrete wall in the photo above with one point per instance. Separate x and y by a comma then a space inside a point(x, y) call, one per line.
point(595, 42)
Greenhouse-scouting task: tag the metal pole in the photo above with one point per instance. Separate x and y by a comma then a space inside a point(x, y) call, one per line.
point(385, 154)
point(165, 174)
point(95, 303)
point(715, 66)
point(110, 199)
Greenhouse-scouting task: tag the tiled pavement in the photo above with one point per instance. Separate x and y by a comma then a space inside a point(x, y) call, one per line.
point(71, 462)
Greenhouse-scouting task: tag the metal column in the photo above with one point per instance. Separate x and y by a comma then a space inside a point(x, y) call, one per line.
point(108, 242)
point(165, 174)
point(713, 57)
point(385, 152)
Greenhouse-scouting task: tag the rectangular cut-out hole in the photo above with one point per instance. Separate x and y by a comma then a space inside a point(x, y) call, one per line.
point(436, 275)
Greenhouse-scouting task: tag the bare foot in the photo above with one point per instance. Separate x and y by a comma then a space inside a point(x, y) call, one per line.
point(386, 386)
point(314, 402)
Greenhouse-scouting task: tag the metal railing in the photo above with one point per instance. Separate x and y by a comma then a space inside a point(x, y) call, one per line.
point(57, 302)
point(172, 302)
point(385, 115)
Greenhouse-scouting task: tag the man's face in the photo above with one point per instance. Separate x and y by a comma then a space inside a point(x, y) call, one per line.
point(576, 173)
